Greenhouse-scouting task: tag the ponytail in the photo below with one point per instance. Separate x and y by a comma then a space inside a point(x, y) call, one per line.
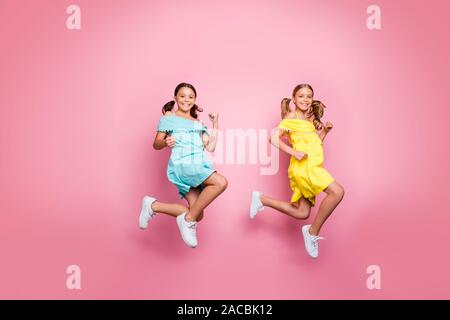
point(316, 113)
point(285, 109)
point(168, 106)
point(194, 110)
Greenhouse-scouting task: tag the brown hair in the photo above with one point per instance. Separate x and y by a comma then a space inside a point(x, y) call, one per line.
point(316, 111)
point(169, 105)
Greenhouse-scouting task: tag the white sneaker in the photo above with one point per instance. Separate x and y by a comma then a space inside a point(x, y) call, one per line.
point(311, 245)
point(188, 230)
point(256, 204)
point(147, 213)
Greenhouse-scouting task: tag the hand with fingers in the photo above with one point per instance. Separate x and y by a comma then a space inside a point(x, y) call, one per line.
point(170, 141)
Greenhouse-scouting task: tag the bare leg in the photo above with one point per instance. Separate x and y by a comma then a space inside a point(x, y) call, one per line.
point(191, 197)
point(214, 186)
point(171, 209)
point(300, 210)
point(335, 193)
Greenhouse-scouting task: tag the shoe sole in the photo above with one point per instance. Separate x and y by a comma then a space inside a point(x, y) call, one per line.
point(182, 236)
point(252, 215)
point(142, 214)
point(141, 226)
point(304, 240)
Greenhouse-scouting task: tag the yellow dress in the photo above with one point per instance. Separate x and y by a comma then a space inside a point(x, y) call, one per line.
point(307, 176)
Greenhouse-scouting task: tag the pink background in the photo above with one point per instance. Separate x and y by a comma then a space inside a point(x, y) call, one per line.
point(77, 120)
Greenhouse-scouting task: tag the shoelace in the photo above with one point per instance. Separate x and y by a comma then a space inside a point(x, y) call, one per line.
point(315, 239)
point(192, 225)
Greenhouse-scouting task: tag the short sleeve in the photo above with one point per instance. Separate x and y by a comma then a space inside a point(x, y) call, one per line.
point(164, 125)
point(284, 125)
point(198, 127)
point(205, 129)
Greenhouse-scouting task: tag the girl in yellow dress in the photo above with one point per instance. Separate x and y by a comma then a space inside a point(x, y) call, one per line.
point(308, 178)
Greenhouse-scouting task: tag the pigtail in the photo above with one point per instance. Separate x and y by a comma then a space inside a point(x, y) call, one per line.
point(194, 110)
point(168, 106)
point(285, 109)
point(316, 113)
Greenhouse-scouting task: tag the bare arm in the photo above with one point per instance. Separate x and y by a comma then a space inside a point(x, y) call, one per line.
point(276, 140)
point(324, 131)
point(322, 134)
point(160, 141)
point(210, 140)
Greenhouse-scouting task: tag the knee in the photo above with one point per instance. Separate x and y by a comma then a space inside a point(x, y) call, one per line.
point(339, 192)
point(302, 214)
point(222, 183)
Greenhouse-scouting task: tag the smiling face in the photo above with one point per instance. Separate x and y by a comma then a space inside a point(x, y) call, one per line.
point(303, 98)
point(185, 99)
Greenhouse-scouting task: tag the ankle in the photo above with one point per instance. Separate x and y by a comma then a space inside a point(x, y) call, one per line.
point(188, 218)
point(313, 231)
point(262, 198)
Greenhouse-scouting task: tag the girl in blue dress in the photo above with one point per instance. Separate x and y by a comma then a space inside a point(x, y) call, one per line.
point(189, 169)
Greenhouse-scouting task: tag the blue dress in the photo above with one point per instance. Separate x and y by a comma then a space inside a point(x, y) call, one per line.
point(188, 165)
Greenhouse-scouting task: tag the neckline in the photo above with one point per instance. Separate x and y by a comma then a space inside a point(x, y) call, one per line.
point(296, 116)
point(300, 120)
point(174, 115)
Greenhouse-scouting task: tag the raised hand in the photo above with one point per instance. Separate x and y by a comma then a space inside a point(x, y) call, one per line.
point(328, 126)
point(214, 117)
